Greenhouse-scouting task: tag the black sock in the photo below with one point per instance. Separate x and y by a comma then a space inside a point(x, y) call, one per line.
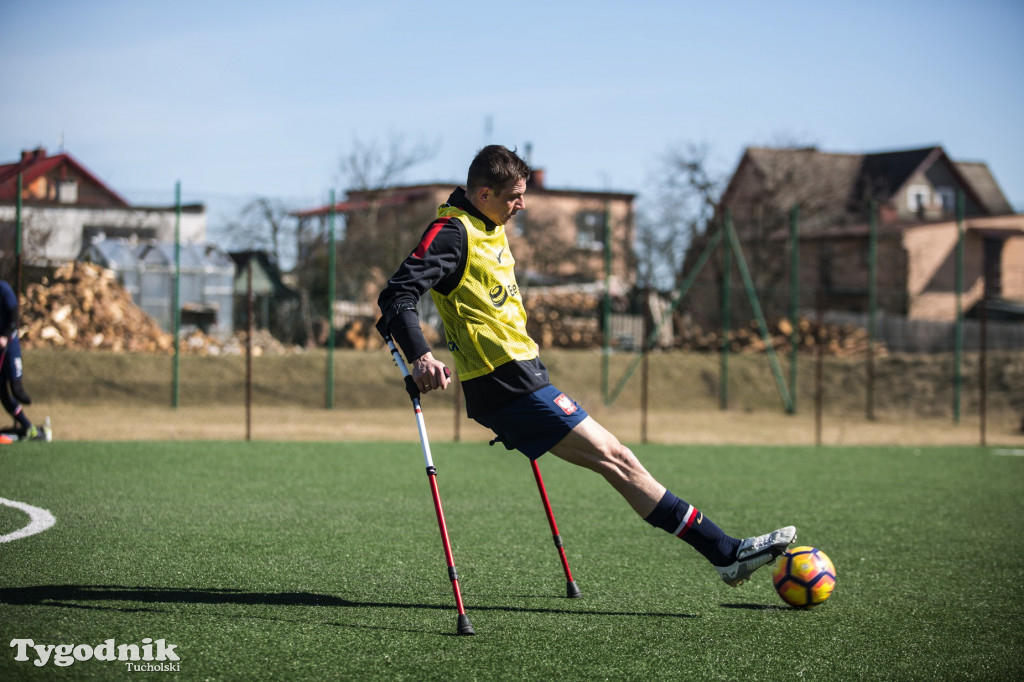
point(23, 421)
point(684, 520)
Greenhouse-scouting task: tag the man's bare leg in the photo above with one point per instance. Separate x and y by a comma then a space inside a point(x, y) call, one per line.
point(592, 446)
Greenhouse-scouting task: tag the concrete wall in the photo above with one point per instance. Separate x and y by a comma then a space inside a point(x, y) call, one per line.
point(55, 233)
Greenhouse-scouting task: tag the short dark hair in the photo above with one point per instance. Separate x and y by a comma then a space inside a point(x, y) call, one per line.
point(498, 167)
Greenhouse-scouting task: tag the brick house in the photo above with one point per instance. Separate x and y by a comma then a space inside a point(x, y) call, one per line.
point(68, 213)
point(558, 240)
point(64, 207)
point(915, 192)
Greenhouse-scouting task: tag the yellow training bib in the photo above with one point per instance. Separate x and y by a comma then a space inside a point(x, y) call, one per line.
point(484, 318)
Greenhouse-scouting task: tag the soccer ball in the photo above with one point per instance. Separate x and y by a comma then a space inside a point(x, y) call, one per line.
point(804, 577)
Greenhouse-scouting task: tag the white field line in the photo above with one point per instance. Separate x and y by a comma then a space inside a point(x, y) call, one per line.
point(40, 520)
point(1009, 453)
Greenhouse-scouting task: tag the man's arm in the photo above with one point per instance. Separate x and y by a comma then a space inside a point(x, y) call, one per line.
point(435, 261)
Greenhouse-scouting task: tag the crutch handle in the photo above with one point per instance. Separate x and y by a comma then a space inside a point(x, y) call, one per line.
point(410, 385)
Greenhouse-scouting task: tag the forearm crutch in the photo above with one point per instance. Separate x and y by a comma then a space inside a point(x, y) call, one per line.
point(464, 627)
point(571, 589)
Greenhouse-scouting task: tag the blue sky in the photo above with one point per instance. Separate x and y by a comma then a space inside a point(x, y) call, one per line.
point(245, 99)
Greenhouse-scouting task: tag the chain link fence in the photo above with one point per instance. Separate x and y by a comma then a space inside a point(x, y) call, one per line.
point(743, 358)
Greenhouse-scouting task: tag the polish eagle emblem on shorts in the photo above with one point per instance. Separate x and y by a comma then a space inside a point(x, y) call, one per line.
point(566, 403)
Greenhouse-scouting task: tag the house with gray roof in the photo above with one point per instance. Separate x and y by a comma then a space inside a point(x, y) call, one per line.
point(913, 195)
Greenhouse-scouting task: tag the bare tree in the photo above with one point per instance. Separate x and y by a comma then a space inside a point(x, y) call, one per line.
point(543, 252)
point(264, 224)
point(372, 165)
point(378, 229)
point(372, 232)
point(677, 215)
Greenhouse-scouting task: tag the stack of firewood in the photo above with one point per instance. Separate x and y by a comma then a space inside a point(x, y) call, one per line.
point(196, 342)
point(839, 340)
point(83, 306)
point(564, 319)
point(360, 334)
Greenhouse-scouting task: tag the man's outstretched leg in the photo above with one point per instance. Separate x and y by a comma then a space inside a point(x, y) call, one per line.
point(592, 446)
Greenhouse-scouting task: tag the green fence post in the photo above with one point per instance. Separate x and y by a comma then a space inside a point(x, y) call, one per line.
point(332, 267)
point(755, 304)
point(872, 306)
point(794, 301)
point(176, 299)
point(723, 374)
point(958, 330)
point(607, 327)
point(17, 239)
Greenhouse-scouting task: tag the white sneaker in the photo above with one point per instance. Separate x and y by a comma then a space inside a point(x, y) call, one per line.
point(753, 553)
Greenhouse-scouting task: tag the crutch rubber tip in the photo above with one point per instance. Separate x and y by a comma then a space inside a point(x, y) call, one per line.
point(465, 627)
point(572, 591)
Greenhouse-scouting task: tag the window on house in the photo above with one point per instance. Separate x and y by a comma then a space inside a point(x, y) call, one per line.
point(67, 191)
point(94, 232)
point(918, 198)
point(947, 195)
point(590, 230)
point(993, 265)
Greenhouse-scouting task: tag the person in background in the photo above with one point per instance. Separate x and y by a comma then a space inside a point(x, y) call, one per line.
point(12, 390)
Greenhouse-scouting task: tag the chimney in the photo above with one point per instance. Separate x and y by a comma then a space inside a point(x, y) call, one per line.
point(536, 179)
point(33, 154)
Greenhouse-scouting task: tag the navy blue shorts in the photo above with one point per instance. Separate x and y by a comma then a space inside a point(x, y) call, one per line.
point(536, 422)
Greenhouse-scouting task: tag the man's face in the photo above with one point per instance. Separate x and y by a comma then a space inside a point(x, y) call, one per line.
point(501, 205)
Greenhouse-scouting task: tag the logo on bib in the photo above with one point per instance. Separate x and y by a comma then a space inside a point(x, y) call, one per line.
point(498, 295)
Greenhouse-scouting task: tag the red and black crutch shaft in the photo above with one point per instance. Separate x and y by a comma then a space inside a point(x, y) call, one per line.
point(571, 589)
point(464, 627)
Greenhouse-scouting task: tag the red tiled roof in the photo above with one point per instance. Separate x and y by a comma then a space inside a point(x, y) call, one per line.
point(35, 164)
point(385, 198)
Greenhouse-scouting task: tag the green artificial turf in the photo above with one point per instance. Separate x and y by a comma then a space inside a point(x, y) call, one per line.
point(313, 560)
